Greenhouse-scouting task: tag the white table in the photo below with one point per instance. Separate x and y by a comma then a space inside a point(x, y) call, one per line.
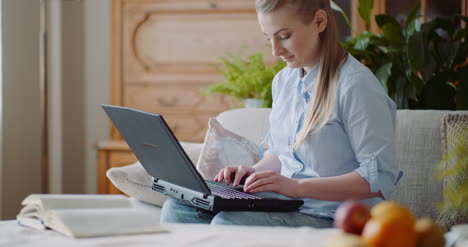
point(12, 234)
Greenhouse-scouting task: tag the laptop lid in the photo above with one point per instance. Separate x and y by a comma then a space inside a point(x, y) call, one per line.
point(156, 147)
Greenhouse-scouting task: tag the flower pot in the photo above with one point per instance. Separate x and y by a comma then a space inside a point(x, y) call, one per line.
point(253, 103)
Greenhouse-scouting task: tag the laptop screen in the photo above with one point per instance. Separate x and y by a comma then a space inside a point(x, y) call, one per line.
point(157, 149)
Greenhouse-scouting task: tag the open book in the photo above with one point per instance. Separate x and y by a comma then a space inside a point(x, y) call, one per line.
point(86, 215)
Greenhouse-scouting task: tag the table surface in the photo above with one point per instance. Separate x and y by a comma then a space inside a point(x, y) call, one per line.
point(12, 234)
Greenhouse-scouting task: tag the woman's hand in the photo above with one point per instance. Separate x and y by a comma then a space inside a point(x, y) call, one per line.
point(271, 181)
point(233, 174)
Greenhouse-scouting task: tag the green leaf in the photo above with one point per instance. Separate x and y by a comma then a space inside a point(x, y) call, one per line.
point(448, 50)
point(383, 73)
point(391, 29)
point(362, 42)
point(429, 68)
point(393, 34)
point(411, 21)
point(415, 51)
point(365, 10)
point(382, 20)
point(245, 78)
point(335, 7)
point(400, 98)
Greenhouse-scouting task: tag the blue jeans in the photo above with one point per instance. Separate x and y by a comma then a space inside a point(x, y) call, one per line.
point(178, 211)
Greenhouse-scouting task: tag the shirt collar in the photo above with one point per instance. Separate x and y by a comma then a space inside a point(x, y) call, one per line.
point(309, 79)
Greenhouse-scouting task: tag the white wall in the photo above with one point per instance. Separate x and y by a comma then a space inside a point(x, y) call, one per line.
point(21, 117)
point(85, 73)
point(97, 77)
point(80, 64)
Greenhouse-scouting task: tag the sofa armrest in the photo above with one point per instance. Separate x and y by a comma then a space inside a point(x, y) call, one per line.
point(193, 150)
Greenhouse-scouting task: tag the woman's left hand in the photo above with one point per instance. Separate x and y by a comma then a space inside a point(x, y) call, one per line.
point(271, 181)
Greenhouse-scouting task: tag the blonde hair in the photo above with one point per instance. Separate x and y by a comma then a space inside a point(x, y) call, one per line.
point(331, 56)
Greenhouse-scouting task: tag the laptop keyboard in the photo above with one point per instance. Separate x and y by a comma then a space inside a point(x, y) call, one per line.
point(229, 193)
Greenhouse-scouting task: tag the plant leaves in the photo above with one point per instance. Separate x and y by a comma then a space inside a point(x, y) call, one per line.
point(415, 51)
point(382, 20)
point(411, 21)
point(249, 78)
point(365, 10)
point(335, 7)
point(448, 50)
point(391, 29)
point(383, 73)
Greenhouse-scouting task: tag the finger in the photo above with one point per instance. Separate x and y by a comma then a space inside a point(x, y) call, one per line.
point(220, 175)
point(266, 187)
point(253, 187)
point(257, 175)
point(227, 175)
point(240, 174)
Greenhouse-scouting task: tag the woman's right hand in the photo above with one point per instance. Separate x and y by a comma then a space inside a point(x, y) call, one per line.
point(237, 172)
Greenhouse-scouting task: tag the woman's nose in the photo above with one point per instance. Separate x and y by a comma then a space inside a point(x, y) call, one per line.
point(276, 48)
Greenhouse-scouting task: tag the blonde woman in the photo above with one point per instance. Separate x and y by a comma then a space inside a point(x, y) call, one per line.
point(331, 132)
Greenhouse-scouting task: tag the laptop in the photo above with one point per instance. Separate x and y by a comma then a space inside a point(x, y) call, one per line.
point(153, 143)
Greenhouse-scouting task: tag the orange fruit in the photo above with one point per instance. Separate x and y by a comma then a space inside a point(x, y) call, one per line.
point(387, 208)
point(389, 231)
point(391, 225)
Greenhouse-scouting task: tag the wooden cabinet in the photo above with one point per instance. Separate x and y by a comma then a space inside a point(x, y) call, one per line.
point(163, 52)
point(111, 154)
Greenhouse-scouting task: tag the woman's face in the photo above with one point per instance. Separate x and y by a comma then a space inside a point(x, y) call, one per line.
point(293, 41)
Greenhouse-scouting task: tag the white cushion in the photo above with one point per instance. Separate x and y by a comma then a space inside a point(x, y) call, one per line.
point(135, 182)
point(224, 148)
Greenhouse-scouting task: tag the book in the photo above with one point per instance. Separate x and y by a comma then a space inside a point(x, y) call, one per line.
point(86, 215)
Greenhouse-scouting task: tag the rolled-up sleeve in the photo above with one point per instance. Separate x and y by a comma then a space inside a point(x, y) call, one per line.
point(369, 118)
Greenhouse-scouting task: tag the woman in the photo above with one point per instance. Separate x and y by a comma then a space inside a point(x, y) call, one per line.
point(331, 132)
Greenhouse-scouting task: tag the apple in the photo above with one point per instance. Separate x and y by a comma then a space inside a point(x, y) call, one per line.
point(351, 216)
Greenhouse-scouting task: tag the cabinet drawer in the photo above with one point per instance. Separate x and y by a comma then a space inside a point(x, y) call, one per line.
point(189, 128)
point(171, 98)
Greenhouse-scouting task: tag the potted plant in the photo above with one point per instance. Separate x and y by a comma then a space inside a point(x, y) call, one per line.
point(246, 80)
point(420, 65)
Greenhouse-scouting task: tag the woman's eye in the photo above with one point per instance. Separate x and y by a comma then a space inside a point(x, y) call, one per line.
point(283, 37)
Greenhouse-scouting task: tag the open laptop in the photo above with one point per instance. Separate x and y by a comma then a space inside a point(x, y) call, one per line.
point(153, 143)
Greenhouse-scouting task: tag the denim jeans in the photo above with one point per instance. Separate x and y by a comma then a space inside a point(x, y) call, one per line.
point(178, 211)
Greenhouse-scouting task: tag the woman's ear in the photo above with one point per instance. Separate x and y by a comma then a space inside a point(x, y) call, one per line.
point(320, 20)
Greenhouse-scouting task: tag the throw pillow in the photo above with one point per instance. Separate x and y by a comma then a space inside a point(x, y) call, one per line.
point(454, 129)
point(224, 148)
point(135, 182)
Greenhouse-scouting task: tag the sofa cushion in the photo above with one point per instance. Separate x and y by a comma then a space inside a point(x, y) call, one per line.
point(418, 145)
point(454, 132)
point(223, 148)
point(251, 123)
point(134, 181)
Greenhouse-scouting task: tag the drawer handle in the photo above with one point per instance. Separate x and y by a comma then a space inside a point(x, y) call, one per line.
point(168, 102)
point(213, 5)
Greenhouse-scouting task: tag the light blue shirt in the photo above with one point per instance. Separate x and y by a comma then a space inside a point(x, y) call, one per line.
point(360, 135)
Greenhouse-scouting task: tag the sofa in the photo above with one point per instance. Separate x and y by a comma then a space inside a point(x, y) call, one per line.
point(418, 141)
point(421, 135)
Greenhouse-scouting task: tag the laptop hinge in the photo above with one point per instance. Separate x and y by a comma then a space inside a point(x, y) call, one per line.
point(205, 196)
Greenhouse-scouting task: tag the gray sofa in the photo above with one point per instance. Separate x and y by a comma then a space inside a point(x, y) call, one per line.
point(418, 142)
